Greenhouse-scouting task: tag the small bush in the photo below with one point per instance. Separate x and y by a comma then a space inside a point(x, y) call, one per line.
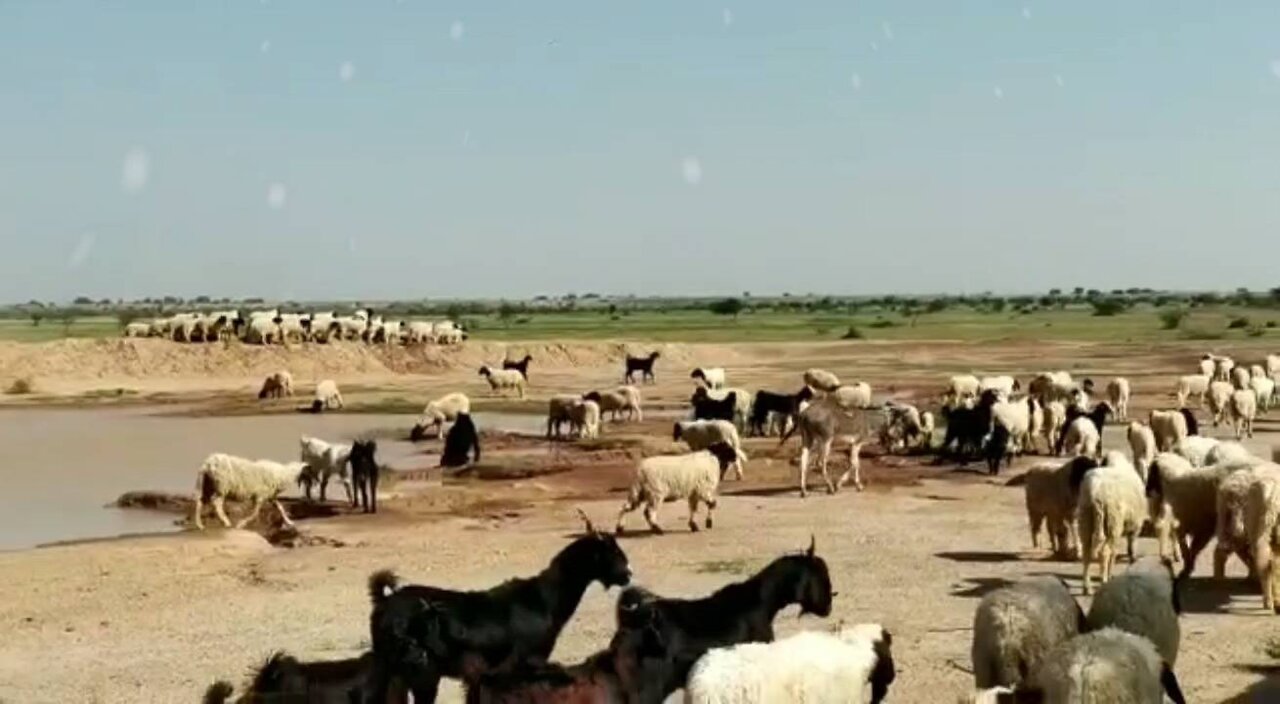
point(1255, 331)
point(21, 387)
point(821, 330)
point(1271, 323)
point(1196, 334)
point(1107, 307)
point(882, 323)
point(1238, 322)
point(853, 333)
point(1172, 319)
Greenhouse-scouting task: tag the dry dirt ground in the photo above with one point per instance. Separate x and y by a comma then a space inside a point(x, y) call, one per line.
point(156, 619)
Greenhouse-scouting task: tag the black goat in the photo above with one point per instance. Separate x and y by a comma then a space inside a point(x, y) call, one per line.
point(998, 449)
point(1098, 415)
point(966, 427)
point(707, 408)
point(521, 366)
point(284, 679)
point(364, 475)
point(461, 439)
point(742, 612)
point(1193, 426)
point(767, 402)
point(421, 633)
point(644, 365)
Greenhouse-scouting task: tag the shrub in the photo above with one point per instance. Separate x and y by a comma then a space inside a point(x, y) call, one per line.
point(1238, 322)
point(1271, 323)
point(21, 386)
point(853, 333)
point(1106, 307)
point(882, 323)
point(1172, 319)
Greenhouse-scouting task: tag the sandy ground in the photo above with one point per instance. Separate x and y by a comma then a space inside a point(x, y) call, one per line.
point(157, 619)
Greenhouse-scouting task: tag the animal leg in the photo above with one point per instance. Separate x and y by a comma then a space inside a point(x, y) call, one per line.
point(324, 484)
point(253, 513)
point(855, 468)
point(1036, 521)
point(1106, 559)
point(711, 507)
point(221, 511)
point(351, 494)
point(804, 470)
point(628, 506)
point(651, 516)
point(1221, 552)
point(1129, 546)
point(693, 511)
point(284, 517)
point(197, 519)
point(1086, 557)
point(1197, 544)
point(823, 456)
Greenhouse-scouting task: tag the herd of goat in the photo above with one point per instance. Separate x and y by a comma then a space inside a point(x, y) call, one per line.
point(1031, 641)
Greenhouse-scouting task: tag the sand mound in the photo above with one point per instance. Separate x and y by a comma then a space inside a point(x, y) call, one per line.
point(155, 359)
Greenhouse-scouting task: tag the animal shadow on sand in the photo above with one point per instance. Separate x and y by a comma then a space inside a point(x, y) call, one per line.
point(981, 556)
point(1262, 691)
point(1207, 595)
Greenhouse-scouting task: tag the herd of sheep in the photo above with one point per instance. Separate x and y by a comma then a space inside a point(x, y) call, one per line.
point(1031, 641)
point(273, 327)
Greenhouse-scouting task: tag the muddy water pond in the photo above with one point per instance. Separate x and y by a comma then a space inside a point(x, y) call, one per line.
point(60, 468)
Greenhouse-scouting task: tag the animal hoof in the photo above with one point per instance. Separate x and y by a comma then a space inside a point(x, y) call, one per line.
point(619, 530)
point(693, 527)
point(708, 523)
point(657, 530)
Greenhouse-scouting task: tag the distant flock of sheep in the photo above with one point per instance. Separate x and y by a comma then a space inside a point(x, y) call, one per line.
point(273, 327)
point(1031, 640)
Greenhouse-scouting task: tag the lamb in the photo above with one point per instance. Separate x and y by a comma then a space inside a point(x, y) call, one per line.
point(1104, 666)
point(808, 667)
point(324, 460)
point(960, 387)
point(644, 365)
point(224, 477)
point(438, 412)
point(694, 476)
point(364, 474)
point(1219, 397)
point(1142, 441)
point(821, 380)
point(623, 398)
point(1051, 500)
point(1142, 601)
point(461, 441)
point(423, 633)
point(1170, 427)
point(1003, 385)
point(702, 434)
point(820, 425)
point(1081, 438)
point(1192, 385)
point(852, 396)
point(276, 385)
point(521, 365)
point(284, 678)
point(1265, 389)
point(503, 379)
point(327, 397)
point(1243, 409)
point(1262, 525)
point(584, 419)
point(711, 377)
point(1016, 626)
point(1195, 449)
point(1118, 393)
point(1111, 505)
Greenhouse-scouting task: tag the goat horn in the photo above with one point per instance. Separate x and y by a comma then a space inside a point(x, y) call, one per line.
point(812, 545)
point(590, 528)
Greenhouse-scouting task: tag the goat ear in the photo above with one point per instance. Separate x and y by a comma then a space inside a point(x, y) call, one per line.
point(812, 546)
point(591, 529)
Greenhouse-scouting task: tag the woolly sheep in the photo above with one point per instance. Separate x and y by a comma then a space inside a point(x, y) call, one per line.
point(1118, 393)
point(1206, 365)
point(1218, 398)
point(327, 397)
point(224, 477)
point(262, 331)
point(1105, 666)
point(1051, 501)
point(1192, 385)
point(702, 434)
point(1014, 416)
point(1243, 409)
point(1055, 417)
point(1240, 378)
point(806, 668)
point(1052, 386)
point(558, 413)
point(584, 419)
point(324, 460)
point(137, 329)
point(292, 327)
point(1265, 389)
point(905, 427)
point(438, 412)
point(1182, 504)
point(420, 332)
point(711, 377)
point(1142, 601)
point(1016, 626)
point(1082, 438)
point(1002, 385)
point(1262, 526)
point(1111, 505)
point(1222, 367)
point(959, 387)
point(502, 379)
point(1232, 530)
point(821, 380)
point(276, 385)
point(622, 398)
point(694, 476)
point(1143, 444)
point(1169, 428)
point(1230, 453)
point(852, 396)
point(1273, 364)
point(1195, 448)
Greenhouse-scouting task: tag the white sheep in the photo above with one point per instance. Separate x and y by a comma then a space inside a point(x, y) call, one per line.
point(1222, 367)
point(1051, 501)
point(502, 379)
point(1183, 506)
point(852, 396)
point(324, 460)
point(905, 427)
point(1230, 453)
point(1118, 393)
point(1262, 526)
point(327, 397)
point(1142, 441)
point(262, 331)
point(1240, 378)
point(1111, 506)
point(1169, 427)
point(1218, 398)
point(821, 380)
point(1243, 409)
point(1206, 365)
point(960, 387)
point(806, 668)
point(702, 434)
point(1015, 416)
point(1265, 389)
point(293, 327)
point(711, 377)
point(622, 398)
point(1109, 665)
point(138, 328)
point(1273, 365)
point(224, 477)
point(276, 385)
point(1082, 438)
point(694, 476)
point(420, 332)
point(1002, 385)
point(438, 412)
point(1232, 530)
point(1016, 626)
point(1053, 386)
point(1192, 385)
point(1055, 417)
point(1196, 449)
point(584, 419)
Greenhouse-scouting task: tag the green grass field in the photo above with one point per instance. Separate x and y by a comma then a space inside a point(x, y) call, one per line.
point(1140, 324)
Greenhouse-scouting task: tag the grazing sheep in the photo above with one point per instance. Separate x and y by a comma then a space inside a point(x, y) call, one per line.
point(559, 412)
point(1003, 385)
point(1195, 449)
point(284, 678)
point(1240, 378)
point(1262, 525)
point(1183, 506)
point(711, 377)
point(364, 474)
point(1104, 666)
point(438, 412)
point(1111, 505)
point(324, 460)
point(1192, 385)
point(806, 668)
point(694, 477)
point(1142, 441)
point(644, 365)
point(1051, 501)
point(327, 397)
point(137, 328)
point(224, 477)
point(960, 387)
point(1118, 393)
point(521, 365)
point(820, 425)
point(853, 396)
point(821, 380)
point(263, 331)
point(1169, 427)
point(462, 440)
point(1142, 601)
point(1016, 626)
point(1219, 397)
point(584, 419)
point(623, 398)
point(1081, 438)
point(276, 385)
point(1265, 389)
point(1243, 409)
point(502, 379)
point(702, 434)
point(1055, 419)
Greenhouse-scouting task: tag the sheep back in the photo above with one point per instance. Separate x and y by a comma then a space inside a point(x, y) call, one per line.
point(1014, 628)
point(1142, 601)
point(1104, 666)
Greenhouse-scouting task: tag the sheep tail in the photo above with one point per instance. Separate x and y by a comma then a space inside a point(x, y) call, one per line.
point(382, 584)
point(218, 692)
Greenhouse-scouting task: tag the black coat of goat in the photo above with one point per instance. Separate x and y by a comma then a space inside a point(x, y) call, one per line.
point(966, 427)
point(421, 633)
point(1098, 415)
point(521, 366)
point(707, 408)
point(459, 442)
point(767, 402)
point(644, 365)
point(364, 475)
point(284, 679)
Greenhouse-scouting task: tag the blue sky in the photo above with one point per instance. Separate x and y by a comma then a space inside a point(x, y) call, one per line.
point(516, 148)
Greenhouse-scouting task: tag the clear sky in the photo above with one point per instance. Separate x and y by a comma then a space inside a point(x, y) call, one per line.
point(375, 148)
